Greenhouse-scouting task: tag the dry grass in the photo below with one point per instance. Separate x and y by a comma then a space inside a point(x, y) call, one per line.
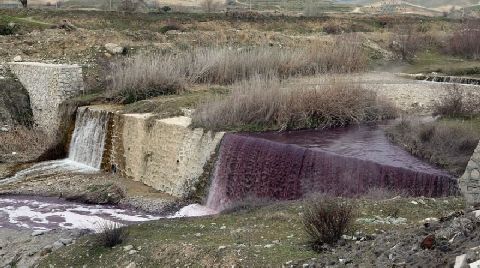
point(145, 76)
point(111, 234)
point(446, 144)
point(326, 220)
point(266, 103)
point(458, 102)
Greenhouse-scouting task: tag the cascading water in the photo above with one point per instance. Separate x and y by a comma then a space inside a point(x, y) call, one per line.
point(346, 162)
point(88, 140)
point(86, 148)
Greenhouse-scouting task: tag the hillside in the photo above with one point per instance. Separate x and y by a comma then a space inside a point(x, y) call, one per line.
point(425, 3)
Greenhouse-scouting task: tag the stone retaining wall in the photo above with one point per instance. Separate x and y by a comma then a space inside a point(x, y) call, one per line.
point(470, 181)
point(48, 85)
point(162, 153)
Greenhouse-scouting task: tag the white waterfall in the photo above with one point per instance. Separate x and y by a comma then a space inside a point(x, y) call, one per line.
point(88, 140)
point(86, 148)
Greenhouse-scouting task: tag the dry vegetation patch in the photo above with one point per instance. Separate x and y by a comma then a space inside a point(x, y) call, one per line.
point(448, 144)
point(148, 75)
point(266, 103)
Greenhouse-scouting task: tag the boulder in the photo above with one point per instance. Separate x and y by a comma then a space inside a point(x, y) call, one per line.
point(114, 48)
point(17, 59)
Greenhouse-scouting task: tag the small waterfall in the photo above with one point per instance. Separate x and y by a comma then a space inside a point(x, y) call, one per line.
point(252, 166)
point(453, 79)
point(88, 140)
point(86, 148)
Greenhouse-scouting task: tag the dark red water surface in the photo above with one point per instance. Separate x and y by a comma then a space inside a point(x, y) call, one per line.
point(345, 161)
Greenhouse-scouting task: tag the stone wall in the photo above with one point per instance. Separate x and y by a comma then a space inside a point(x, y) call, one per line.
point(162, 153)
point(470, 181)
point(48, 85)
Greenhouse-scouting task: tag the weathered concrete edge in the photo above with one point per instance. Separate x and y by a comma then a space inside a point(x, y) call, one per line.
point(470, 181)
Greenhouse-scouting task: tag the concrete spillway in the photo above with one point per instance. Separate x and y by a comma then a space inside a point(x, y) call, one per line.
point(88, 140)
point(343, 162)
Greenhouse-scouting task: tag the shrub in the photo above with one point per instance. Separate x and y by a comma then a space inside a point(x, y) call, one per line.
point(6, 29)
point(465, 41)
point(406, 42)
point(457, 102)
point(128, 6)
point(166, 9)
point(332, 27)
point(170, 27)
point(266, 103)
point(326, 219)
point(111, 234)
point(210, 5)
point(443, 143)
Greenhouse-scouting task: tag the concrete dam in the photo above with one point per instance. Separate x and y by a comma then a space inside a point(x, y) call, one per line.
point(170, 156)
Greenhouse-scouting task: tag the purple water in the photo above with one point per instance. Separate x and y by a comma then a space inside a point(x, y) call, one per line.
point(343, 161)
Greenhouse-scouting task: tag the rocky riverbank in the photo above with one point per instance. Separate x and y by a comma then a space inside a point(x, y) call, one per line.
point(23, 248)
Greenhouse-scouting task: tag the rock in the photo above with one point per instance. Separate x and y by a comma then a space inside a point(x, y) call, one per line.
point(39, 232)
point(4, 129)
point(173, 32)
point(12, 25)
point(475, 264)
point(132, 252)
point(475, 174)
point(66, 241)
point(127, 248)
point(46, 250)
point(221, 247)
point(114, 48)
point(17, 59)
point(269, 246)
point(428, 242)
point(131, 265)
point(57, 245)
point(476, 213)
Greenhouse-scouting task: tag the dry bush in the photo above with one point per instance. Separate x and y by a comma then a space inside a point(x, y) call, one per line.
point(446, 144)
point(457, 102)
point(266, 103)
point(210, 5)
point(111, 234)
point(333, 27)
point(406, 41)
point(21, 139)
point(145, 76)
point(326, 220)
point(465, 41)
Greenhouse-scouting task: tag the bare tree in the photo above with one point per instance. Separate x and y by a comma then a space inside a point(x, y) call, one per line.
point(24, 3)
